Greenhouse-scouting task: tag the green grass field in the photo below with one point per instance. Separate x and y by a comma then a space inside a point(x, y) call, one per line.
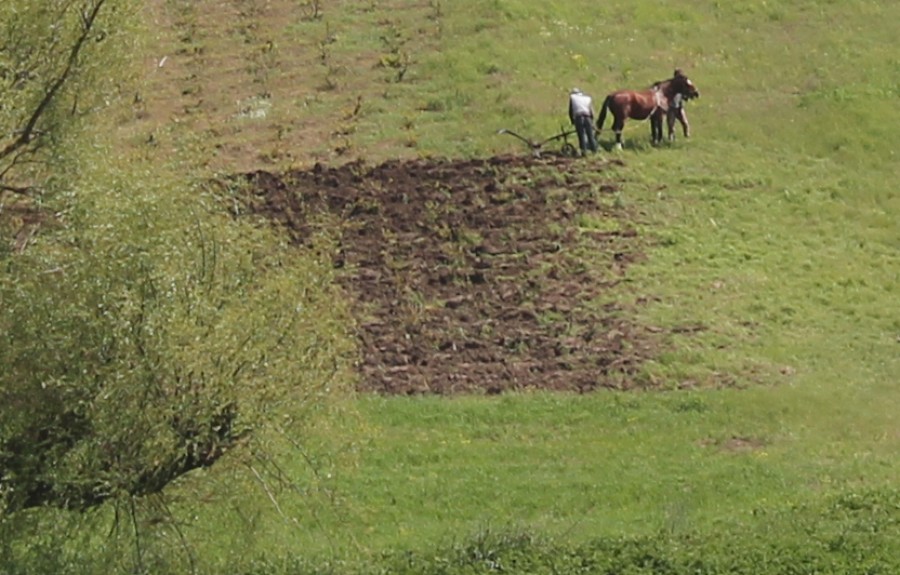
point(773, 232)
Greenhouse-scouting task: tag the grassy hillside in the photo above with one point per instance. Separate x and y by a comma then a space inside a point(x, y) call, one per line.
point(773, 234)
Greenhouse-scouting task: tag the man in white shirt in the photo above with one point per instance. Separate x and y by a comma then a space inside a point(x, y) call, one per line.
point(581, 113)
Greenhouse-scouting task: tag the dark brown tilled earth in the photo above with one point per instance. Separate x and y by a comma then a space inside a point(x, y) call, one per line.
point(472, 275)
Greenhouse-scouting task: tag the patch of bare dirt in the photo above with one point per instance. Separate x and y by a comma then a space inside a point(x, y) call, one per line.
point(472, 275)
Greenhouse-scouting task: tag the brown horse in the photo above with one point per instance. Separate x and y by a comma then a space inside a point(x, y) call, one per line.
point(642, 104)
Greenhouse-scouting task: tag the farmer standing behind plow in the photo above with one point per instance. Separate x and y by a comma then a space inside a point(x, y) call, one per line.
point(581, 113)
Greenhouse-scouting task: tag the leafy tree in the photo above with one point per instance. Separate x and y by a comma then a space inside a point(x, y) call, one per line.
point(145, 332)
point(54, 70)
point(148, 340)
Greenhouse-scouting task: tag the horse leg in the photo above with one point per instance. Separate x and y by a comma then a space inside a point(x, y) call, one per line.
point(618, 125)
point(656, 128)
point(670, 123)
point(602, 118)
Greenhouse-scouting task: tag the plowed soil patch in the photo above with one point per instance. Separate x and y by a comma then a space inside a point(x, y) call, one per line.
point(474, 276)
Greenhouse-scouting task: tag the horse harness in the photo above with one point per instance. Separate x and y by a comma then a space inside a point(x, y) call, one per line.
point(657, 101)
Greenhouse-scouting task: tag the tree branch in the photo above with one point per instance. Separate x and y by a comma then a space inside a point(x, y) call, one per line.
point(31, 481)
point(20, 190)
point(27, 133)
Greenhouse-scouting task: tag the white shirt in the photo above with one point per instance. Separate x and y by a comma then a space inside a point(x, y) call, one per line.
point(580, 105)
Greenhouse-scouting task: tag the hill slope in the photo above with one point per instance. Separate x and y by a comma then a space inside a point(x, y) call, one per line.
point(772, 231)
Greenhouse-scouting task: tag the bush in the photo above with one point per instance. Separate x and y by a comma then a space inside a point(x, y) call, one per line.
point(850, 533)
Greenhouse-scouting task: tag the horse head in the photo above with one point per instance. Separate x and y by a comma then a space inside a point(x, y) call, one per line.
point(681, 84)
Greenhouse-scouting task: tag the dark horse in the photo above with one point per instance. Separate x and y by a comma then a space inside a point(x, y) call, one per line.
point(676, 109)
point(651, 103)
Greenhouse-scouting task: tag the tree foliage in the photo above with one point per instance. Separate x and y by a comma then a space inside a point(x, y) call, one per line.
point(54, 70)
point(147, 338)
point(145, 332)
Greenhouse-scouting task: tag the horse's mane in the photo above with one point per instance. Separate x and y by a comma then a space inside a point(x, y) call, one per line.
point(658, 85)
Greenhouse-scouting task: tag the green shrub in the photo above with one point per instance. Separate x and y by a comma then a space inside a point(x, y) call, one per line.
point(850, 533)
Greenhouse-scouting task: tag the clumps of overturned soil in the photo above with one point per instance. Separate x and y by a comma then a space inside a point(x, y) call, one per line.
point(473, 275)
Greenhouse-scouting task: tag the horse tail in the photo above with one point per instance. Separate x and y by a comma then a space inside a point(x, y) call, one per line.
point(603, 109)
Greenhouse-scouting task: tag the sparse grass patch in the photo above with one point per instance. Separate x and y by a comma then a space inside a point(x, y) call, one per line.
point(598, 223)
